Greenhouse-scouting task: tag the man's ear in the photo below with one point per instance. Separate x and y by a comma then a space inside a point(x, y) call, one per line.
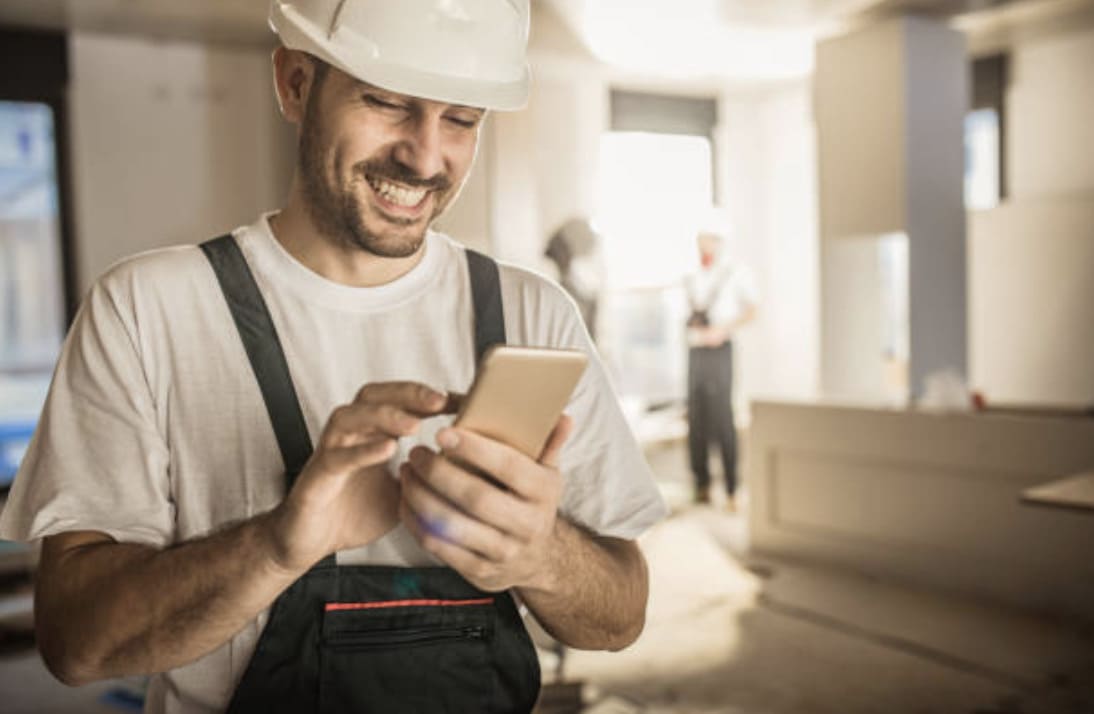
point(294, 76)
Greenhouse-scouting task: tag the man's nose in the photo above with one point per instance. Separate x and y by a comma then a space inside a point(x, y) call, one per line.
point(420, 148)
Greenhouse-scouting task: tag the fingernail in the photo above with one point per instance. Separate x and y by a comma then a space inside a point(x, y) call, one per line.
point(448, 439)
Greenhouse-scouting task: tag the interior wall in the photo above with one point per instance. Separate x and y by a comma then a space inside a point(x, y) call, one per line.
point(468, 218)
point(768, 155)
point(173, 142)
point(926, 498)
point(1031, 316)
point(1049, 106)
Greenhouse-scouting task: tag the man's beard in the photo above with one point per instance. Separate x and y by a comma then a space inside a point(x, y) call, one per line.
point(339, 213)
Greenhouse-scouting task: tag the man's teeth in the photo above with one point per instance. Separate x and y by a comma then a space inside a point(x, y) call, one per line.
point(397, 194)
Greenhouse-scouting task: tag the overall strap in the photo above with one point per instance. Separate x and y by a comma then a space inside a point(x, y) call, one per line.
point(259, 336)
point(486, 297)
point(256, 329)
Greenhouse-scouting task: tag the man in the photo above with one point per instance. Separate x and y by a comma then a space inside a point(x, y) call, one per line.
point(572, 248)
point(252, 571)
point(722, 298)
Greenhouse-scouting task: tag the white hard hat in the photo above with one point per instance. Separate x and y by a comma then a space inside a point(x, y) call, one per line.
point(469, 52)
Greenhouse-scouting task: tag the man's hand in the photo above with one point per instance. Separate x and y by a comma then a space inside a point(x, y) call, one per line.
point(497, 535)
point(345, 497)
point(714, 336)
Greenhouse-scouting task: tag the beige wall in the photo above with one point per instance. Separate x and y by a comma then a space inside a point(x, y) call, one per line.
point(1031, 296)
point(1031, 271)
point(1050, 107)
point(930, 499)
point(890, 101)
point(173, 142)
point(861, 97)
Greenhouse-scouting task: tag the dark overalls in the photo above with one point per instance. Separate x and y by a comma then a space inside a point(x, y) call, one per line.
point(359, 638)
point(710, 403)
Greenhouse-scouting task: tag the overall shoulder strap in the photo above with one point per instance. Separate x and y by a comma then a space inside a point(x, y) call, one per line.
point(720, 281)
point(267, 358)
point(256, 329)
point(486, 297)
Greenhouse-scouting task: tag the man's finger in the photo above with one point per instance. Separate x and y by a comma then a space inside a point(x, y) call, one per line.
point(549, 456)
point(506, 466)
point(414, 397)
point(353, 458)
point(443, 519)
point(356, 423)
point(468, 563)
point(477, 495)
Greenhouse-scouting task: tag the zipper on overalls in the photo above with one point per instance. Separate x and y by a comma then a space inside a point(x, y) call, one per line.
point(370, 639)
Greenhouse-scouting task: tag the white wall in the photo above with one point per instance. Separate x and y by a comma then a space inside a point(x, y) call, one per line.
point(769, 161)
point(173, 142)
point(1032, 259)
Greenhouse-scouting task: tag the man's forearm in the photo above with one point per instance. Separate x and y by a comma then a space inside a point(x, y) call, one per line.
point(112, 609)
point(593, 595)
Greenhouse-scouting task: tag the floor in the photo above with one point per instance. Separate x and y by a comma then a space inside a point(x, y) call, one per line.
point(730, 634)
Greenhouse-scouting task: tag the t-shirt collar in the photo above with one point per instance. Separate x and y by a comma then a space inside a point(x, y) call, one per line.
point(284, 270)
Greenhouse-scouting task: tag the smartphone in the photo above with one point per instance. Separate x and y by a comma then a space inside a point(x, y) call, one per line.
point(519, 393)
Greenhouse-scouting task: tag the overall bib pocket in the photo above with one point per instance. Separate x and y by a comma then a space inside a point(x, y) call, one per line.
point(407, 656)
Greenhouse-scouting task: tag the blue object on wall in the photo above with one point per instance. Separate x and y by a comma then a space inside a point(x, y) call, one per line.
point(14, 439)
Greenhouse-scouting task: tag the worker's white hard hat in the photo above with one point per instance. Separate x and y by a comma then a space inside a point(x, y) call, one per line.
point(469, 52)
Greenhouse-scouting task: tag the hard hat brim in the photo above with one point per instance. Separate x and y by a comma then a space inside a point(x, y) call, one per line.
point(495, 95)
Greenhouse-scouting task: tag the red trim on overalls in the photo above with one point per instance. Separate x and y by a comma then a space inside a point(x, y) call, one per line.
point(333, 606)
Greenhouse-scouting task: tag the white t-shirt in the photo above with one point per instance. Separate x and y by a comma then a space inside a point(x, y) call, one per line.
point(736, 292)
point(155, 431)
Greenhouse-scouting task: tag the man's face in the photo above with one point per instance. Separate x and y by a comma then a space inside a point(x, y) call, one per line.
point(377, 167)
point(708, 249)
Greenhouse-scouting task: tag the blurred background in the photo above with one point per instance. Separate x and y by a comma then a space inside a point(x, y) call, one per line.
point(911, 182)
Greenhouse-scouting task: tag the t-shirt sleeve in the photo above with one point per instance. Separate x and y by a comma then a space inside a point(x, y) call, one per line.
point(745, 285)
point(609, 487)
point(736, 295)
point(97, 460)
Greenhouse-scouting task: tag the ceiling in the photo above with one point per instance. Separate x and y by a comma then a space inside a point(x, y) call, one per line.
point(745, 35)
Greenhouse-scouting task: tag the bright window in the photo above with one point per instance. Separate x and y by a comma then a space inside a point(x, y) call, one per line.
point(654, 193)
point(982, 161)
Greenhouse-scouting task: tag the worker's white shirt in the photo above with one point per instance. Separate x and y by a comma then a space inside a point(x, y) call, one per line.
point(155, 431)
point(736, 294)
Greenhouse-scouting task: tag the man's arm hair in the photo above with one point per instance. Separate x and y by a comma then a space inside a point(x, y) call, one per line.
point(598, 591)
point(106, 609)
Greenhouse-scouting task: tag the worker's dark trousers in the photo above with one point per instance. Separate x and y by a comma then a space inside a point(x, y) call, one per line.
point(710, 413)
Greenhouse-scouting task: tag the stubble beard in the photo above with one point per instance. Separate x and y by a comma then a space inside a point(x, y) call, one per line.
point(339, 213)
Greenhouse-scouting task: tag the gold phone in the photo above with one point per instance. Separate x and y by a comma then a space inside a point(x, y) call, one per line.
point(519, 394)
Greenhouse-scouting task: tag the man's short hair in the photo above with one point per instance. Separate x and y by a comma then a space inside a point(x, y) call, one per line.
point(322, 69)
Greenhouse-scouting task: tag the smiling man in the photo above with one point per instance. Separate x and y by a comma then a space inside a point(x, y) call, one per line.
point(243, 439)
